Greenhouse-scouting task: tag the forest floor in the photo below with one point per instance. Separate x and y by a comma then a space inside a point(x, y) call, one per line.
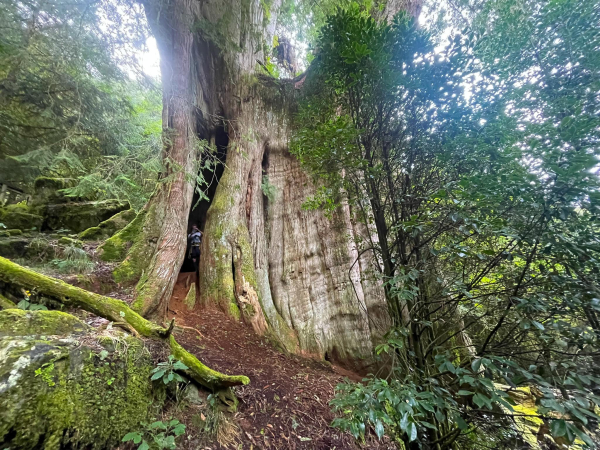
point(286, 404)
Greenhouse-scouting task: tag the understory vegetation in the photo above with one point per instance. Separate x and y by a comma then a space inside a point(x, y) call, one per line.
point(70, 107)
point(473, 163)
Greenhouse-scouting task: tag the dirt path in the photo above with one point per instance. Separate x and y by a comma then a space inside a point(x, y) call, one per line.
point(286, 404)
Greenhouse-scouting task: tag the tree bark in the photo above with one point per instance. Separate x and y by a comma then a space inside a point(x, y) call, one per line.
point(294, 263)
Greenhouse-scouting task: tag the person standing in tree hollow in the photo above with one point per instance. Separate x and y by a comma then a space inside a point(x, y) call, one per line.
point(195, 238)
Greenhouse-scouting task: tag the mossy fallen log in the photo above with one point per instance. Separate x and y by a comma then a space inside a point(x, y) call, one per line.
point(117, 311)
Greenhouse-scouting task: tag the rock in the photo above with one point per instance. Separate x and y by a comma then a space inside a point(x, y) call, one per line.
point(14, 232)
point(21, 247)
point(18, 322)
point(21, 217)
point(62, 386)
point(65, 240)
point(81, 215)
point(48, 190)
point(192, 395)
point(115, 248)
point(4, 233)
point(13, 248)
point(109, 227)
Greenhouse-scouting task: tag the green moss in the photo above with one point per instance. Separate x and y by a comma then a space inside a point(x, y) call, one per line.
point(115, 248)
point(20, 217)
point(71, 296)
point(14, 232)
point(190, 298)
point(234, 311)
point(6, 303)
point(65, 240)
point(17, 322)
point(109, 227)
point(112, 309)
point(81, 215)
point(202, 374)
point(84, 401)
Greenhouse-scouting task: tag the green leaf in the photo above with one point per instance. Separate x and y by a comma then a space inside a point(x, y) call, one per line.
point(158, 374)
point(379, 429)
point(144, 446)
point(461, 423)
point(180, 366)
point(463, 392)
point(412, 432)
point(134, 436)
point(538, 325)
point(558, 428)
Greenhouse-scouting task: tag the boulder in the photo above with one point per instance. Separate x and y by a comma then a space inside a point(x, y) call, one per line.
point(64, 385)
point(21, 247)
point(81, 215)
point(109, 227)
point(21, 217)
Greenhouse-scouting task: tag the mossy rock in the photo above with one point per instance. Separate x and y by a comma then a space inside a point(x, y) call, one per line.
point(109, 227)
point(67, 392)
point(23, 247)
point(48, 190)
point(21, 217)
point(66, 240)
point(80, 216)
point(17, 322)
point(15, 232)
point(115, 248)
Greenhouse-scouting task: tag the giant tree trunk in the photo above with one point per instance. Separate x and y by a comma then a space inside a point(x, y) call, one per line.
point(287, 271)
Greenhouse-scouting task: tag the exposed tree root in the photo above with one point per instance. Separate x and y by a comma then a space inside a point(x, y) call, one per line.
point(6, 303)
point(117, 311)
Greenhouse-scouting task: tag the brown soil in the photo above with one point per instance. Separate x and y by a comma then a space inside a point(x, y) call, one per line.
point(285, 406)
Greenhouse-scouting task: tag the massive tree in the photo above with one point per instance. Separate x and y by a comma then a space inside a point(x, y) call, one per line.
point(283, 269)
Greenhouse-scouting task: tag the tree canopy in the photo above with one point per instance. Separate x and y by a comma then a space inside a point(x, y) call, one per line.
point(473, 165)
point(67, 107)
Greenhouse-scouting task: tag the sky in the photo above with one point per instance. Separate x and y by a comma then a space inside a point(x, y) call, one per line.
point(149, 56)
point(150, 59)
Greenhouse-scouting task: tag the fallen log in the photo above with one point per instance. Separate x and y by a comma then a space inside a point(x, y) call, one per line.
point(116, 311)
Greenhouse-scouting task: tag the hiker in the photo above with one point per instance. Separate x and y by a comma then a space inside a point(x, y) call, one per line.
point(195, 238)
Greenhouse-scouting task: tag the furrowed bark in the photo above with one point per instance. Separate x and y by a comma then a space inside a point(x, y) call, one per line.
point(172, 26)
point(19, 277)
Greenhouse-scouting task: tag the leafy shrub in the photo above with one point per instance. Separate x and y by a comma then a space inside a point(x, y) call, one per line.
point(27, 305)
point(159, 434)
point(167, 371)
point(74, 260)
point(268, 189)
